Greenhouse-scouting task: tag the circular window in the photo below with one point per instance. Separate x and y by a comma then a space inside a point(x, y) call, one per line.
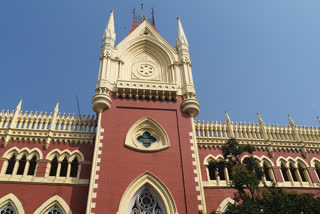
point(145, 70)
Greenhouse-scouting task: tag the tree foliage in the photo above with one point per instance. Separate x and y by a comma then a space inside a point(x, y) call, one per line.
point(254, 197)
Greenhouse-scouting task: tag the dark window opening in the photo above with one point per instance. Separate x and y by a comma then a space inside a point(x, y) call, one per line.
point(284, 173)
point(221, 172)
point(266, 171)
point(293, 174)
point(11, 163)
point(64, 167)
point(301, 171)
point(22, 165)
point(74, 168)
point(318, 171)
point(54, 167)
point(212, 172)
point(229, 173)
point(32, 166)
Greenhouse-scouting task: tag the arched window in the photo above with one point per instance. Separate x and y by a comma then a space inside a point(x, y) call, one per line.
point(303, 172)
point(212, 170)
point(11, 163)
point(53, 210)
point(7, 209)
point(293, 172)
point(146, 201)
point(284, 172)
point(317, 166)
point(221, 172)
point(64, 167)
point(74, 168)
point(268, 173)
point(32, 166)
point(22, 165)
point(54, 167)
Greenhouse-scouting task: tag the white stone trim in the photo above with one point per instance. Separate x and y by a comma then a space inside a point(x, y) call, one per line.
point(14, 201)
point(197, 170)
point(95, 164)
point(224, 205)
point(52, 201)
point(154, 128)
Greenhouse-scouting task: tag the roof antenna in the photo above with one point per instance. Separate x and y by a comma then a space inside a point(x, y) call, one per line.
point(134, 15)
point(153, 17)
point(78, 106)
point(142, 9)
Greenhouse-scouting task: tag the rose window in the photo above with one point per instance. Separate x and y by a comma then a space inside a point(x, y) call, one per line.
point(54, 210)
point(146, 70)
point(146, 202)
point(7, 209)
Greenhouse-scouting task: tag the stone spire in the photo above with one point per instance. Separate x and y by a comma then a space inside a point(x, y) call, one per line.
point(109, 36)
point(181, 42)
point(318, 119)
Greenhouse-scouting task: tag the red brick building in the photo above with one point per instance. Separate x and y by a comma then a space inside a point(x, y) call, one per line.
point(143, 152)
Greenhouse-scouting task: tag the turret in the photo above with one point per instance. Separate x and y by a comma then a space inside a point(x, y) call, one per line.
point(189, 105)
point(102, 99)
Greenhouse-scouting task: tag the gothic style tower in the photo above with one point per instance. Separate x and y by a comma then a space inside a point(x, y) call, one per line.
point(145, 157)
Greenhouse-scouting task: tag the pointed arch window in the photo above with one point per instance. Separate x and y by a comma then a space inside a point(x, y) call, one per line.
point(54, 166)
point(74, 168)
point(317, 166)
point(22, 165)
point(8, 209)
point(11, 163)
point(284, 171)
point(54, 210)
point(64, 167)
point(32, 166)
point(146, 201)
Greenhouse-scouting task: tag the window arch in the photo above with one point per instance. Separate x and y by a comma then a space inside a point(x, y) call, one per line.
point(217, 171)
point(146, 201)
point(55, 203)
point(223, 206)
point(153, 183)
point(21, 162)
point(11, 203)
point(64, 164)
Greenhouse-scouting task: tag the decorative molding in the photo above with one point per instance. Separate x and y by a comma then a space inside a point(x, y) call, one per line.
point(268, 138)
point(51, 202)
point(14, 201)
point(224, 205)
point(143, 125)
point(154, 183)
point(46, 128)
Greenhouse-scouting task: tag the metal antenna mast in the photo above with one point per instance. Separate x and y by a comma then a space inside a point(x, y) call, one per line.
point(142, 9)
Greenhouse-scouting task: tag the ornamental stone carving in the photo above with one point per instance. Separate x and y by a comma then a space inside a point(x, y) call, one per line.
point(147, 135)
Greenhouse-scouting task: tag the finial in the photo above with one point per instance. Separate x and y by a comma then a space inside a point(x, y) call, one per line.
point(181, 42)
point(227, 116)
point(259, 119)
point(318, 119)
point(19, 104)
point(178, 17)
point(290, 120)
point(112, 11)
point(56, 109)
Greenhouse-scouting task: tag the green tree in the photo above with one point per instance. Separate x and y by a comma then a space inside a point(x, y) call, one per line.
point(250, 196)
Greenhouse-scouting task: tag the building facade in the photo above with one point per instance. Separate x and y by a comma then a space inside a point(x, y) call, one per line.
point(143, 152)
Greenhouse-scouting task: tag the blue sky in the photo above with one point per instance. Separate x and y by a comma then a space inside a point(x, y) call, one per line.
point(248, 56)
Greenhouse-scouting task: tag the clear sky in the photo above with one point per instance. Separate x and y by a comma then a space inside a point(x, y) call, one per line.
point(248, 56)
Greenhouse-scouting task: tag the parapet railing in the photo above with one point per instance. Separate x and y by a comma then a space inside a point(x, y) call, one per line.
point(46, 127)
point(290, 136)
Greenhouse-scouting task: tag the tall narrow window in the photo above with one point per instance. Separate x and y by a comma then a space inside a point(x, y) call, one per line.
point(284, 172)
point(54, 167)
point(32, 166)
point(11, 163)
point(54, 210)
point(221, 172)
point(266, 170)
point(22, 165)
point(212, 172)
point(229, 173)
point(64, 167)
point(293, 173)
point(74, 168)
point(318, 170)
point(8, 209)
point(302, 172)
